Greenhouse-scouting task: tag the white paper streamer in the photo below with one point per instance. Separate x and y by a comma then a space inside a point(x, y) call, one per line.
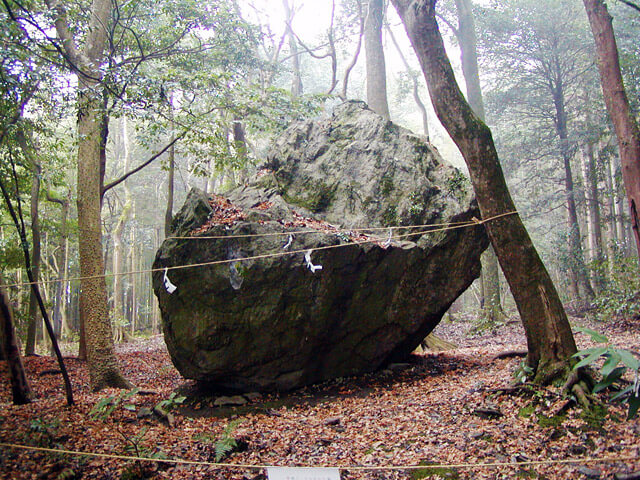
point(235, 277)
point(388, 242)
point(167, 283)
point(307, 259)
point(289, 242)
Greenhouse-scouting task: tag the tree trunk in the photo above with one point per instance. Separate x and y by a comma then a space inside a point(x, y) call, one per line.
point(119, 311)
point(59, 315)
point(94, 312)
point(34, 314)
point(356, 54)
point(133, 292)
point(593, 209)
point(466, 34)
point(20, 389)
point(168, 214)
point(579, 282)
point(615, 97)
point(414, 81)
point(376, 68)
point(296, 81)
point(549, 338)
point(91, 130)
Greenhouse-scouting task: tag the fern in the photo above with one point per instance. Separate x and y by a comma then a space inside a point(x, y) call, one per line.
point(227, 443)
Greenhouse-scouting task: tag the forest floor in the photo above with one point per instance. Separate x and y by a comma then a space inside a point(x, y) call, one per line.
point(440, 409)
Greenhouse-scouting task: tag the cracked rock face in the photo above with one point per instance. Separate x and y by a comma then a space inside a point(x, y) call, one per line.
point(325, 300)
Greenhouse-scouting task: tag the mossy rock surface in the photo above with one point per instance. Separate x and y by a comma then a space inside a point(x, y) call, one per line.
point(273, 324)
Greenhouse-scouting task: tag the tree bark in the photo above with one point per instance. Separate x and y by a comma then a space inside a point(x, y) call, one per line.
point(91, 128)
point(20, 389)
point(376, 68)
point(617, 103)
point(549, 338)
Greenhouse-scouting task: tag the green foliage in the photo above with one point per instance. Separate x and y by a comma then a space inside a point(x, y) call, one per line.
point(170, 403)
point(44, 432)
point(616, 363)
point(134, 446)
point(620, 297)
point(522, 373)
point(456, 183)
point(227, 442)
point(107, 405)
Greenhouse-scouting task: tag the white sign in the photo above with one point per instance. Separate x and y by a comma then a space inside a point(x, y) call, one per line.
point(302, 473)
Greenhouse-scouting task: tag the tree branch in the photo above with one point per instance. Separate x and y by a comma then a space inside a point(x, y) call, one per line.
point(142, 165)
point(629, 3)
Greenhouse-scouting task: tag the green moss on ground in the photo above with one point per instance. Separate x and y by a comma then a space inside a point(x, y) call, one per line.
point(434, 472)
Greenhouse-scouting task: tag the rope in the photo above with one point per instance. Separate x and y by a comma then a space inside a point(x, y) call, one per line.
point(474, 222)
point(331, 229)
point(179, 461)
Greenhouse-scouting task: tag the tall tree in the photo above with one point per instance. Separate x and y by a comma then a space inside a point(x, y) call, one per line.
point(376, 66)
point(87, 62)
point(617, 102)
point(549, 338)
point(542, 46)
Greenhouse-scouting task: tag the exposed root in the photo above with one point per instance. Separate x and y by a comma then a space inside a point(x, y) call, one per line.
point(510, 354)
point(580, 383)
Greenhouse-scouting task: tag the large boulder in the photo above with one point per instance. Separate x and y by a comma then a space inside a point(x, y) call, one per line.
point(255, 311)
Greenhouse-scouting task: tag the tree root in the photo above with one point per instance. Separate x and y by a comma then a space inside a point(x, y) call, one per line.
point(510, 354)
point(580, 383)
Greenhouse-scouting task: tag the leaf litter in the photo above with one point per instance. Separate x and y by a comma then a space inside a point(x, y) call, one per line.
point(425, 412)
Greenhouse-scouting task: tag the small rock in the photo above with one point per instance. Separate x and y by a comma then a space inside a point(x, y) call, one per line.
point(253, 396)
point(589, 472)
point(477, 435)
point(144, 412)
point(331, 421)
point(488, 412)
point(234, 401)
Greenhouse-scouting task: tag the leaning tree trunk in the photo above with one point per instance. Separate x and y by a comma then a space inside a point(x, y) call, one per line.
point(549, 338)
point(20, 389)
point(615, 97)
point(376, 68)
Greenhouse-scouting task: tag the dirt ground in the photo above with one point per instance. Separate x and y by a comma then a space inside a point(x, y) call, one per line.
point(452, 409)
